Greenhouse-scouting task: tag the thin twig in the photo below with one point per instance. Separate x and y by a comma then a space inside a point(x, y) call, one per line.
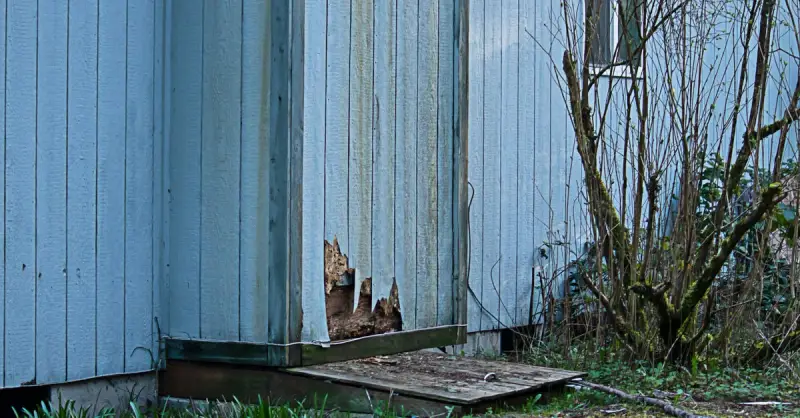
point(666, 406)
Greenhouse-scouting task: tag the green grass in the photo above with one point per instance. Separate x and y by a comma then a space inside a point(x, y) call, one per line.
point(707, 387)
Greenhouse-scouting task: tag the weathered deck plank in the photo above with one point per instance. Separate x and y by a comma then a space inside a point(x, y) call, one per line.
point(421, 383)
point(450, 379)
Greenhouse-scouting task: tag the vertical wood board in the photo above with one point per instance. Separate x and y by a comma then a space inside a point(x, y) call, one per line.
point(81, 186)
point(220, 170)
point(337, 116)
point(138, 188)
point(111, 134)
point(20, 194)
point(427, 204)
point(445, 162)
point(509, 89)
point(185, 167)
point(51, 193)
point(405, 229)
point(361, 147)
point(384, 149)
point(315, 327)
point(475, 174)
point(254, 226)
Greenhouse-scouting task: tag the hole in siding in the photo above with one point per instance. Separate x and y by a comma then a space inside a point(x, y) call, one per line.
point(368, 319)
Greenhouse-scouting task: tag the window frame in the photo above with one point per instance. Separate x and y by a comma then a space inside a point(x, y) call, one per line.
point(618, 71)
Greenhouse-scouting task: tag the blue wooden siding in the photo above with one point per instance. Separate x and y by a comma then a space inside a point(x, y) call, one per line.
point(525, 174)
point(80, 185)
point(520, 153)
point(378, 152)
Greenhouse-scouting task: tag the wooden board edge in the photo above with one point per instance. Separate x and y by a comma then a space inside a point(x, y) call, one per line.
point(383, 344)
point(228, 352)
point(462, 159)
point(292, 355)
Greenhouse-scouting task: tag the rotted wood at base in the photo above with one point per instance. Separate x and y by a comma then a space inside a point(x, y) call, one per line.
point(246, 353)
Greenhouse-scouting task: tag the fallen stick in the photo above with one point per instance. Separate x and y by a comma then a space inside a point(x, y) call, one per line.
point(666, 406)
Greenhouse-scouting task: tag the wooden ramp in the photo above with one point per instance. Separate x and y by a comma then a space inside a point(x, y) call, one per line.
point(420, 383)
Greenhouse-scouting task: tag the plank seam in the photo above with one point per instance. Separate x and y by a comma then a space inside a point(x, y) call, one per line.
point(66, 202)
point(35, 196)
point(200, 218)
point(96, 175)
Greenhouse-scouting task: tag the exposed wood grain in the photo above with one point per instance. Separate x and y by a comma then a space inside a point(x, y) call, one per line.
point(526, 250)
point(81, 186)
point(456, 380)
point(20, 194)
point(461, 141)
point(405, 228)
point(427, 203)
point(220, 155)
point(507, 269)
point(447, 79)
point(337, 116)
point(254, 225)
point(384, 149)
point(492, 183)
point(139, 188)
point(475, 171)
point(185, 168)
point(360, 159)
point(51, 192)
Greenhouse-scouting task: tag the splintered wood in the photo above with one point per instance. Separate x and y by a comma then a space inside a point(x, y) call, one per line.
point(343, 322)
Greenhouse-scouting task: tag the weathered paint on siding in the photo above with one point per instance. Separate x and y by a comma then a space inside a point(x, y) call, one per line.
point(80, 189)
point(387, 134)
point(533, 196)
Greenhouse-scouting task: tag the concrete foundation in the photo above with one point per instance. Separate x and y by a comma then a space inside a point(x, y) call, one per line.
point(115, 392)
